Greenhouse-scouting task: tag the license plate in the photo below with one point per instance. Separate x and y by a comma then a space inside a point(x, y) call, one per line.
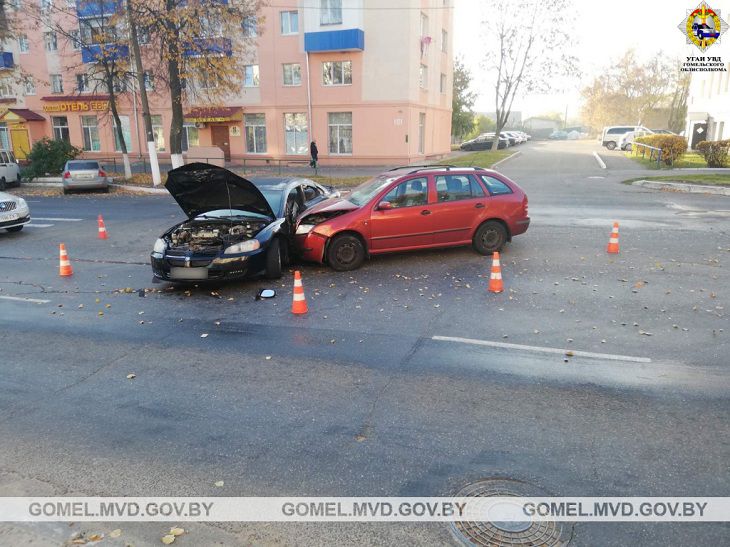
point(8, 217)
point(83, 176)
point(188, 273)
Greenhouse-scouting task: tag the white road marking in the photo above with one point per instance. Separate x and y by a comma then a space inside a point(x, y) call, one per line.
point(507, 158)
point(541, 349)
point(23, 299)
point(40, 225)
point(600, 161)
point(59, 219)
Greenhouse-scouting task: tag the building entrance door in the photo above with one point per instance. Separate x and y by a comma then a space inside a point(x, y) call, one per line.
point(21, 142)
point(219, 137)
point(699, 134)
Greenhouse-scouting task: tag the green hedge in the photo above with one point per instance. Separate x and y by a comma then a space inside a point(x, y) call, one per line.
point(715, 152)
point(673, 147)
point(47, 157)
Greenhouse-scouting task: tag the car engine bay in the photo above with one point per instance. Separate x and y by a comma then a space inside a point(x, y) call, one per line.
point(208, 237)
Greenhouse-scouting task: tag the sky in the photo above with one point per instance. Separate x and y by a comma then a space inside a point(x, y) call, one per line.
point(603, 31)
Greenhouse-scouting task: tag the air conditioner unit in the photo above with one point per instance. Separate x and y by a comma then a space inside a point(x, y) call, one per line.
point(200, 125)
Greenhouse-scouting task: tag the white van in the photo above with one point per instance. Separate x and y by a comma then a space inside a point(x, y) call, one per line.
point(611, 135)
point(9, 170)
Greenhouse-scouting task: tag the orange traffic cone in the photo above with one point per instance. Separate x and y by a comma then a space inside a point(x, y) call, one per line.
point(299, 302)
point(613, 240)
point(495, 280)
point(64, 269)
point(102, 228)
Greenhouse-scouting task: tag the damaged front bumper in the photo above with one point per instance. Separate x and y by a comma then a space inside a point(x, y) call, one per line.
point(171, 266)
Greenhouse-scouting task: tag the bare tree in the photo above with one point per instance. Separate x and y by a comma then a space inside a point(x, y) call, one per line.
point(203, 47)
point(527, 45)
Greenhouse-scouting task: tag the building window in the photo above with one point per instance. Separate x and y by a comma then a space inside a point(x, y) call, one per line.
point(292, 74)
point(149, 80)
point(51, 41)
point(46, 5)
point(331, 12)
point(56, 83)
point(6, 88)
point(289, 22)
point(337, 73)
point(75, 39)
point(16, 4)
point(143, 35)
point(60, 128)
point(90, 130)
point(251, 76)
point(340, 132)
point(158, 132)
point(255, 133)
point(444, 41)
point(190, 136)
point(23, 44)
point(250, 26)
point(422, 133)
point(126, 133)
point(82, 83)
point(423, 77)
point(29, 86)
point(443, 83)
point(4, 136)
point(295, 132)
point(207, 79)
point(424, 24)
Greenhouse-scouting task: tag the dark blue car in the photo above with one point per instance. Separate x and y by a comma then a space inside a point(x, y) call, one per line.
point(704, 31)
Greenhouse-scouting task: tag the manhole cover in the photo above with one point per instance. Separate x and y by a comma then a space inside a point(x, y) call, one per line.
point(507, 533)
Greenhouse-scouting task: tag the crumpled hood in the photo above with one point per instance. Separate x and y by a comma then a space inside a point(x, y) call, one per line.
point(201, 187)
point(331, 205)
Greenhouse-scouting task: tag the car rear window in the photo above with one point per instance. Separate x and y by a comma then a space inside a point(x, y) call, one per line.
point(82, 165)
point(495, 186)
point(617, 130)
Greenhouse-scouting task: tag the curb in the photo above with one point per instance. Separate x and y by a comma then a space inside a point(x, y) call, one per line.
point(683, 187)
point(49, 182)
point(505, 159)
point(600, 161)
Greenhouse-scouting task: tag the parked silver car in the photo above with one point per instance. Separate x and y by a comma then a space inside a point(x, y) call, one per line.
point(14, 212)
point(84, 175)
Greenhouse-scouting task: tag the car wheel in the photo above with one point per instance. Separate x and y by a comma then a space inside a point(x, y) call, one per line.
point(273, 259)
point(611, 145)
point(345, 253)
point(489, 237)
point(14, 229)
point(628, 147)
point(3, 185)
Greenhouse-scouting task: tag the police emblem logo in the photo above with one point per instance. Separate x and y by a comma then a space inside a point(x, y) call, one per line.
point(703, 26)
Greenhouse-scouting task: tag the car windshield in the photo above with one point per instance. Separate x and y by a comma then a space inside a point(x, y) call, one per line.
point(229, 213)
point(367, 190)
point(83, 165)
point(274, 199)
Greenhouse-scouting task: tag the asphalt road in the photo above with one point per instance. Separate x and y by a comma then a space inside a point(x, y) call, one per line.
point(357, 397)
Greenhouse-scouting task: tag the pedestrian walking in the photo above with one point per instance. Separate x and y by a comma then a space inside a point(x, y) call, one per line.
point(314, 153)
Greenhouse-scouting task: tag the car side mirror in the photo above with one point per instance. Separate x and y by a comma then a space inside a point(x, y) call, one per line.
point(384, 206)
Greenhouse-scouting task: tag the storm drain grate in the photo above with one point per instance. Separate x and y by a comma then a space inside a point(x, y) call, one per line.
point(507, 534)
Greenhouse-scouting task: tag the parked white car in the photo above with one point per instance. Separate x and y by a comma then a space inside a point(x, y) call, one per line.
point(611, 135)
point(14, 212)
point(9, 170)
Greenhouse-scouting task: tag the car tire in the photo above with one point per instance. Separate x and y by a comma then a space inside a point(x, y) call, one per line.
point(18, 180)
point(489, 237)
point(273, 259)
point(345, 252)
point(14, 229)
point(3, 184)
point(628, 147)
point(611, 145)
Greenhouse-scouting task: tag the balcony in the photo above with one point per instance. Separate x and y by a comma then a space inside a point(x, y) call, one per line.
point(6, 60)
point(334, 40)
point(97, 8)
point(109, 52)
point(200, 47)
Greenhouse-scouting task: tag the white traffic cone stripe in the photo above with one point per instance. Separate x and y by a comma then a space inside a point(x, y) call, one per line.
point(298, 297)
point(495, 263)
point(613, 240)
point(297, 282)
point(496, 275)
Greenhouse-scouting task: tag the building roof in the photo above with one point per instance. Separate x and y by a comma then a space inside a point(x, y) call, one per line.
point(24, 113)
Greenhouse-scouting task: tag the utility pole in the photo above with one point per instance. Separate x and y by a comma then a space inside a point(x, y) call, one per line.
point(151, 145)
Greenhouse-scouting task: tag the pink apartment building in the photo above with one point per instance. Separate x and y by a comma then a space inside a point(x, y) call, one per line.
point(369, 80)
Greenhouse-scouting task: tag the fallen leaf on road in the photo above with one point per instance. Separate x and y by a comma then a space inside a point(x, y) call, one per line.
point(645, 333)
point(96, 537)
point(177, 531)
point(115, 533)
point(168, 539)
point(219, 483)
point(131, 376)
point(204, 335)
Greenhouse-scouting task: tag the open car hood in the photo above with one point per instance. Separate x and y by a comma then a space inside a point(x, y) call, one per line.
point(201, 187)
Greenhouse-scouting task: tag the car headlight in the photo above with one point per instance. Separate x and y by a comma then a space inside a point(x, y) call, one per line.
point(243, 247)
point(22, 204)
point(304, 229)
point(160, 246)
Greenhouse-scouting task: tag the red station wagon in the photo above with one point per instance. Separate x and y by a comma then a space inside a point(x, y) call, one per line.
point(416, 207)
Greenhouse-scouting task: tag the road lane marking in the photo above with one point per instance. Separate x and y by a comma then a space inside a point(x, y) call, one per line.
point(600, 161)
point(23, 299)
point(541, 349)
point(33, 225)
point(58, 219)
point(494, 165)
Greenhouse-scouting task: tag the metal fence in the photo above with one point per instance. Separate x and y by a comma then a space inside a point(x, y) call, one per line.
point(653, 151)
point(245, 165)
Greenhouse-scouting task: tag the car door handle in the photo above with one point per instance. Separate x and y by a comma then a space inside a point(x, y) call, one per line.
point(425, 212)
point(479, 206)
